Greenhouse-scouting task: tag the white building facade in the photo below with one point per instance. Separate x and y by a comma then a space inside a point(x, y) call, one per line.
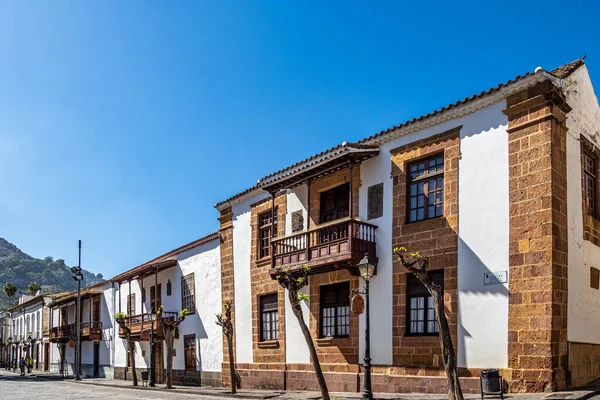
point(28, 330)
point(97, 332)
point(480, 187)
point(186, 278)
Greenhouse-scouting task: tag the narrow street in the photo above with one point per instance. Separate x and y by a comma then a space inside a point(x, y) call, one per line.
point(15, 387)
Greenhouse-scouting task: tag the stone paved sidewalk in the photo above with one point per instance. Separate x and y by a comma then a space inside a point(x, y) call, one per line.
point(252, 394)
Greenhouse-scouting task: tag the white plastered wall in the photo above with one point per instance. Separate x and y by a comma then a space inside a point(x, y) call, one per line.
point(205, 263)
point(297, 352)
point(483, 205)
point(583, 301)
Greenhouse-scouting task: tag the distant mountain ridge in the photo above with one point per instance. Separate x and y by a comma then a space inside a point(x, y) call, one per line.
point(20, 268)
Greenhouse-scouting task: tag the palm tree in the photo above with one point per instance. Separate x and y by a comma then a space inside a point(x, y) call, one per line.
point(33, 288)
point(10, 289)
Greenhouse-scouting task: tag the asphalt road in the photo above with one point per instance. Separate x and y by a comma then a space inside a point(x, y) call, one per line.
point(15, 387)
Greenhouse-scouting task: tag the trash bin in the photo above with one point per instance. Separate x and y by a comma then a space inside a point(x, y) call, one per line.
point(145, 377)
point(490, 382)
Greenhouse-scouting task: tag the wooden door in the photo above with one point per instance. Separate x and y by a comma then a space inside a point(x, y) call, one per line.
point(155, 297)
point(64, 316)
point(158, 362)
point(96, 309)
point(96, 359)
point(46, 356)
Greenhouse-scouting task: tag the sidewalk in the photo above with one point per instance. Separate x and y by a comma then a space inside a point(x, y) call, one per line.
point(253, 394)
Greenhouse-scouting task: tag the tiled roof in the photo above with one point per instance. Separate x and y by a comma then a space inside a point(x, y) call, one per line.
point(308, 163)
point(69, 296)
point(52, 296)
point(566, 70)
point(560, 72)
point(164, 260)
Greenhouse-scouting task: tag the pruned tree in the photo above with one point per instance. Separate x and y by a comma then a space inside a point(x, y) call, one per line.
point(33, 288)
point(123, 322)
point(419, 266)
point(170, 325)
point(293, 282)
point(224, 321)
point(10, 289)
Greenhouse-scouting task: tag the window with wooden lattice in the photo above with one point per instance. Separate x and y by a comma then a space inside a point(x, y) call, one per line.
point(420, 313)
point(590, 171)
point(335, 310)
point(269, 317)
point(267, 228)
point(426, 189)
point(188, 301)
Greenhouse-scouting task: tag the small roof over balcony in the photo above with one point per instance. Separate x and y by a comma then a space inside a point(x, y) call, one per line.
point(318, 165)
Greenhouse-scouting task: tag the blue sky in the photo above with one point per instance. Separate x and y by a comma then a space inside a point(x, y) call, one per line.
point(123, 123)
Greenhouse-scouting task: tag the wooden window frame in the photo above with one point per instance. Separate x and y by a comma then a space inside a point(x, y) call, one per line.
point(340, 302)
point(341, 193)
point(153, 295)
point(270, 229)
point(185, 297)
point(593, 176)
point(425, 179)
point(131, 304)
point(429, 313)
point(96, 305)
point(189, 352)
point(272, 333)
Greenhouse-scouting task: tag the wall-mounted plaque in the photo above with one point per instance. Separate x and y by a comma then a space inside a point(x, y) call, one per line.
point(297, 221)
point(375, 201)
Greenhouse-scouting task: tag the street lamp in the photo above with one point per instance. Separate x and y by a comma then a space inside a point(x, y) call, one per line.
point(10, 352)
point(152, 355)
point(30, 341)
point(367, 268)
point(78, 276)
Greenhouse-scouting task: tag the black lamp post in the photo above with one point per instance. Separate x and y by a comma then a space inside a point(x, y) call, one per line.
point(152, 355)
point(30, 341)
point(367, 268)
point(78, 276)
point(10, 352)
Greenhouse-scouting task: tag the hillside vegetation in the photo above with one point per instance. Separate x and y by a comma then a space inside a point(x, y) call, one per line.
point(22, 269)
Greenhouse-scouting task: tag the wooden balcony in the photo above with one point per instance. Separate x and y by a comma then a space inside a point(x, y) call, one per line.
point(141, 326)
point(337, 244)
point(89, 331)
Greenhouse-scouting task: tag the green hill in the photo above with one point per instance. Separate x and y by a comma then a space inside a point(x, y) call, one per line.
point(22, 269)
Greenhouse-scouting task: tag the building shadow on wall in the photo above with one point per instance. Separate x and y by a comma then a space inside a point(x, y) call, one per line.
point(471, 281)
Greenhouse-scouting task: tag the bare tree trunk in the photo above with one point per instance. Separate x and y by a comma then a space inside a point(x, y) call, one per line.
point(131, 345)
point(231, 364)
point(170, 339)
point(297, 310)
point(450, 365)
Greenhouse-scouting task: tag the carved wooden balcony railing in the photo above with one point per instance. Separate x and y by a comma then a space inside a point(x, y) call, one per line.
point(337, 244)
point(89, 331)
point(141, 326)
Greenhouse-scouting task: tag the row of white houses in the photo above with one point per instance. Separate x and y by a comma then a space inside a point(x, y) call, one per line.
point(50, 320)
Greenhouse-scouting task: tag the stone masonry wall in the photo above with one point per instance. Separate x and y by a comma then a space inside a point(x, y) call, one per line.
point(537, 320)
point(227, 291)
point(272, 351)
point(436, 238)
